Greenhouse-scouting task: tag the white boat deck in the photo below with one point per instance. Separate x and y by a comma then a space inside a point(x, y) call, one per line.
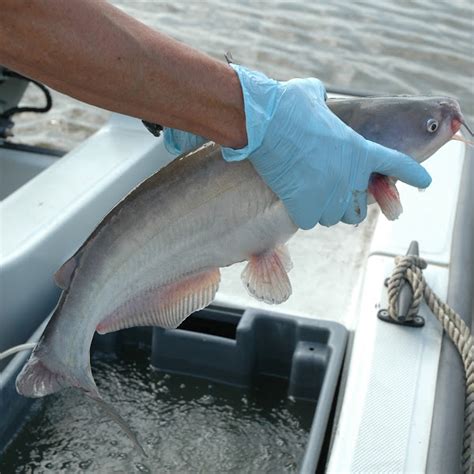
point(388, 387)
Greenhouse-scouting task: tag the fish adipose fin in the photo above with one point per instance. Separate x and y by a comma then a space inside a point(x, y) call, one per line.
point(37, 380)
point(167, 306)
point(266, 278)
point(385, 192)
point(63, 276)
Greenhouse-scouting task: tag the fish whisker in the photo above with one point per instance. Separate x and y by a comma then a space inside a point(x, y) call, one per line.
point(467, 128)
point(460, 138)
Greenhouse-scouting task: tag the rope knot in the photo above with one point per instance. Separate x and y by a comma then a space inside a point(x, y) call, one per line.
point(408, 268)
point(406, 261)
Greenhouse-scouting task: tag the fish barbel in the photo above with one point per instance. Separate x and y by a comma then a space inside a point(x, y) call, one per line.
point(155, 258)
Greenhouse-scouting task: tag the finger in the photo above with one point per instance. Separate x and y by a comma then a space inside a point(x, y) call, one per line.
point(356, 211)
point(334, 212)
point(301, 212)
point(393, 163)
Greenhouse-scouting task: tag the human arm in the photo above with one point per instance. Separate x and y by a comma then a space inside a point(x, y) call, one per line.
point(315, 163)
point(92, 51)
point(96, 53)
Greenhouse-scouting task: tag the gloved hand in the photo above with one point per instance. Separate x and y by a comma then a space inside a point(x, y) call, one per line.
point(318, 166)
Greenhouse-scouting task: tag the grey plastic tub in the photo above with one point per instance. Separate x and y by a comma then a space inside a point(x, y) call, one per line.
point(229, 346)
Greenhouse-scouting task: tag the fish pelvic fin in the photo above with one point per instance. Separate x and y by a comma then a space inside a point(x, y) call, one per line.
point(266, 278)
point(167, 306)
point(37, 380)
point(386, 194)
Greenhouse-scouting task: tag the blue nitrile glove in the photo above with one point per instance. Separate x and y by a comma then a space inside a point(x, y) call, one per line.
point(317, 165)
point(177, 141)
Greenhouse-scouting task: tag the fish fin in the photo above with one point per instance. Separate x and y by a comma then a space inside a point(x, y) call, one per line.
point(63, 276)
point(385, 192)
point(114, 415)
point(284, 255)
point(37, 380)
point(167, 306)
point(266, 278)
point(43, 375)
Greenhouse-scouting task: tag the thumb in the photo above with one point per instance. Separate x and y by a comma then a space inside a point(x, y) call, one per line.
point(393, 163)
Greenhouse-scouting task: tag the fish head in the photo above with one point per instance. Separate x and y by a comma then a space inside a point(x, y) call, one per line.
point(415, 125)
point(435, 122)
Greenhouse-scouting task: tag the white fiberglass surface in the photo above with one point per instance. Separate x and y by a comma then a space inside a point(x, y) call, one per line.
point(18, 167)
point(327, 263)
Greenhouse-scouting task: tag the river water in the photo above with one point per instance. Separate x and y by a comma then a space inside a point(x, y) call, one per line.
point(404, 47)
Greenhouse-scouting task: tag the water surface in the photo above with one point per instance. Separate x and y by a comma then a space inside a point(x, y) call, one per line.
point(186, 425)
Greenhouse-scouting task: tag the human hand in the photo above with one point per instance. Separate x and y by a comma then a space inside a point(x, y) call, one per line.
point(316, 164)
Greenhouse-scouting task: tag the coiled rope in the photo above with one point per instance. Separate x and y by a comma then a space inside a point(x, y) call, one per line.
point(410, 268)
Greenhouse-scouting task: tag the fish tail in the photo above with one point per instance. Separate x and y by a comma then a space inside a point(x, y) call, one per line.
point(38, 378)
point(113, 414)
point(45, 372)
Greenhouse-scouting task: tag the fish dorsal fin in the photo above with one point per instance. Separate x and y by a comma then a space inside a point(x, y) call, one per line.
point(167, 306)
point(266, 278)
point(63, 276)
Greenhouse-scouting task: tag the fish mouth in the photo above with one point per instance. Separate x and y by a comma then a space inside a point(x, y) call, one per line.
point(457, 121)
point(456, 124)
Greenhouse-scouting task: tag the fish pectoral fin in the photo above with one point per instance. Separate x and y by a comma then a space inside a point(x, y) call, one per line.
point(167, 306)
point(63, 276)
point(266, 278)
point(386, 194)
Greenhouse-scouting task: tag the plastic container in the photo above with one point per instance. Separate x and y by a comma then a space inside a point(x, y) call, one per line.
point(228, 346)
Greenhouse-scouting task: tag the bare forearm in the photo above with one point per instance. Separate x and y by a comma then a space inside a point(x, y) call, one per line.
point(94, 52)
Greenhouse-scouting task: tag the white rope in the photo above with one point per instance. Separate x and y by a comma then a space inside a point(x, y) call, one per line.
point(15, 349)
point(410, 268)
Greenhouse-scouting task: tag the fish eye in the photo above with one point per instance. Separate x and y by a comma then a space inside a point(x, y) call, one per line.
point(432, 125)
